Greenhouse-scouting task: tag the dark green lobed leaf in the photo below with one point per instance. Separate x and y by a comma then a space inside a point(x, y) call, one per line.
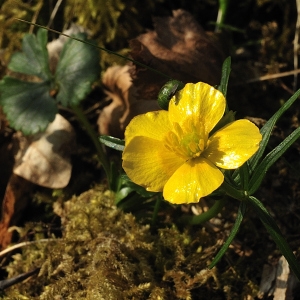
point(76, 71)
point(34, 58)
point(27, 105)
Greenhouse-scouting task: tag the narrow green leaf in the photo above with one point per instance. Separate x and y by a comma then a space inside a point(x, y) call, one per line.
point(133, 203)
point(137, 188)
point(205, 216)
point(233, 178)
point(223, 6)
point(122, 194)
point(276, 235)
point(115, 181)
point(112, 142)
point(244, 176)
point(226, 69)
point(77, 69)
point(141, 190)
point(235, 228)
point(27, 105)
point(33, 60)
point(266, 131)
point(270, 159)
point(232, 189)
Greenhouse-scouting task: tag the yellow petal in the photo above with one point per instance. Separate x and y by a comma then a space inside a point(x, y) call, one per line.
point(148, 163)
point(152, 124)
point(200, 102)
point(233, 144)
point(194, 179)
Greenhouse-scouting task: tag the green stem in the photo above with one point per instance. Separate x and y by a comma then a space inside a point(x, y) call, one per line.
point(223, 5)
point(233, 192)
point(94, 137)
point(239, 218)
point(206, 216)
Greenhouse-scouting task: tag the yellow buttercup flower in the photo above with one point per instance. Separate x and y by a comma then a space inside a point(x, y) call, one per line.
point(173, 152)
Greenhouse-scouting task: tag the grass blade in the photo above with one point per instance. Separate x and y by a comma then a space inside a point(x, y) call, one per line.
point(267, 129)
point(235, 228)
point(276, 234)
point(270, 159)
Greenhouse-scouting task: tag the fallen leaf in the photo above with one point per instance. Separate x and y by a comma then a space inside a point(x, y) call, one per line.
point(179, 48)
point(15, 200)
point(286, 281)
point(278, 281)
point(267, 281)
point(125, 104)
point(44, 159)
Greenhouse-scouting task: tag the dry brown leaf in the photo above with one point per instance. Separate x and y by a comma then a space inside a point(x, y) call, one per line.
point(117, 82)
point(15, 201)
point(44, 159)
point(125, 104)
point(178, 47)
point(278, 281)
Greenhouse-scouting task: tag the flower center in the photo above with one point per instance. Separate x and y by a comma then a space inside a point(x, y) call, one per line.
point(187, 140)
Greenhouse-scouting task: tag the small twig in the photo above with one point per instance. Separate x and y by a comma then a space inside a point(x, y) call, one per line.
point(270, 76)
point(4, 284)
point(20, 245)
point(285, 87)
point(35, 16)
point(54, 12)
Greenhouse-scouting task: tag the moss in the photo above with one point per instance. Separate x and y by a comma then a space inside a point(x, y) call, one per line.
point(106, 254)
point(12, 31)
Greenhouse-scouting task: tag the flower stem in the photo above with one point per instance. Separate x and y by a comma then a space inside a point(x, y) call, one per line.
point(92, 134)
point(223, 6)
point(233, 192)
point(206, 216)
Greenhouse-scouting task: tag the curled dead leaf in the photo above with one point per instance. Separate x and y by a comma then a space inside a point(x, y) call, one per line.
point(44, 159)
point(278, 282)
point(16, 198)
point(179, 48)
point(125, 104)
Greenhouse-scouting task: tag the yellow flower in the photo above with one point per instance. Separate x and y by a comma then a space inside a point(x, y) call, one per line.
point(172, 151)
